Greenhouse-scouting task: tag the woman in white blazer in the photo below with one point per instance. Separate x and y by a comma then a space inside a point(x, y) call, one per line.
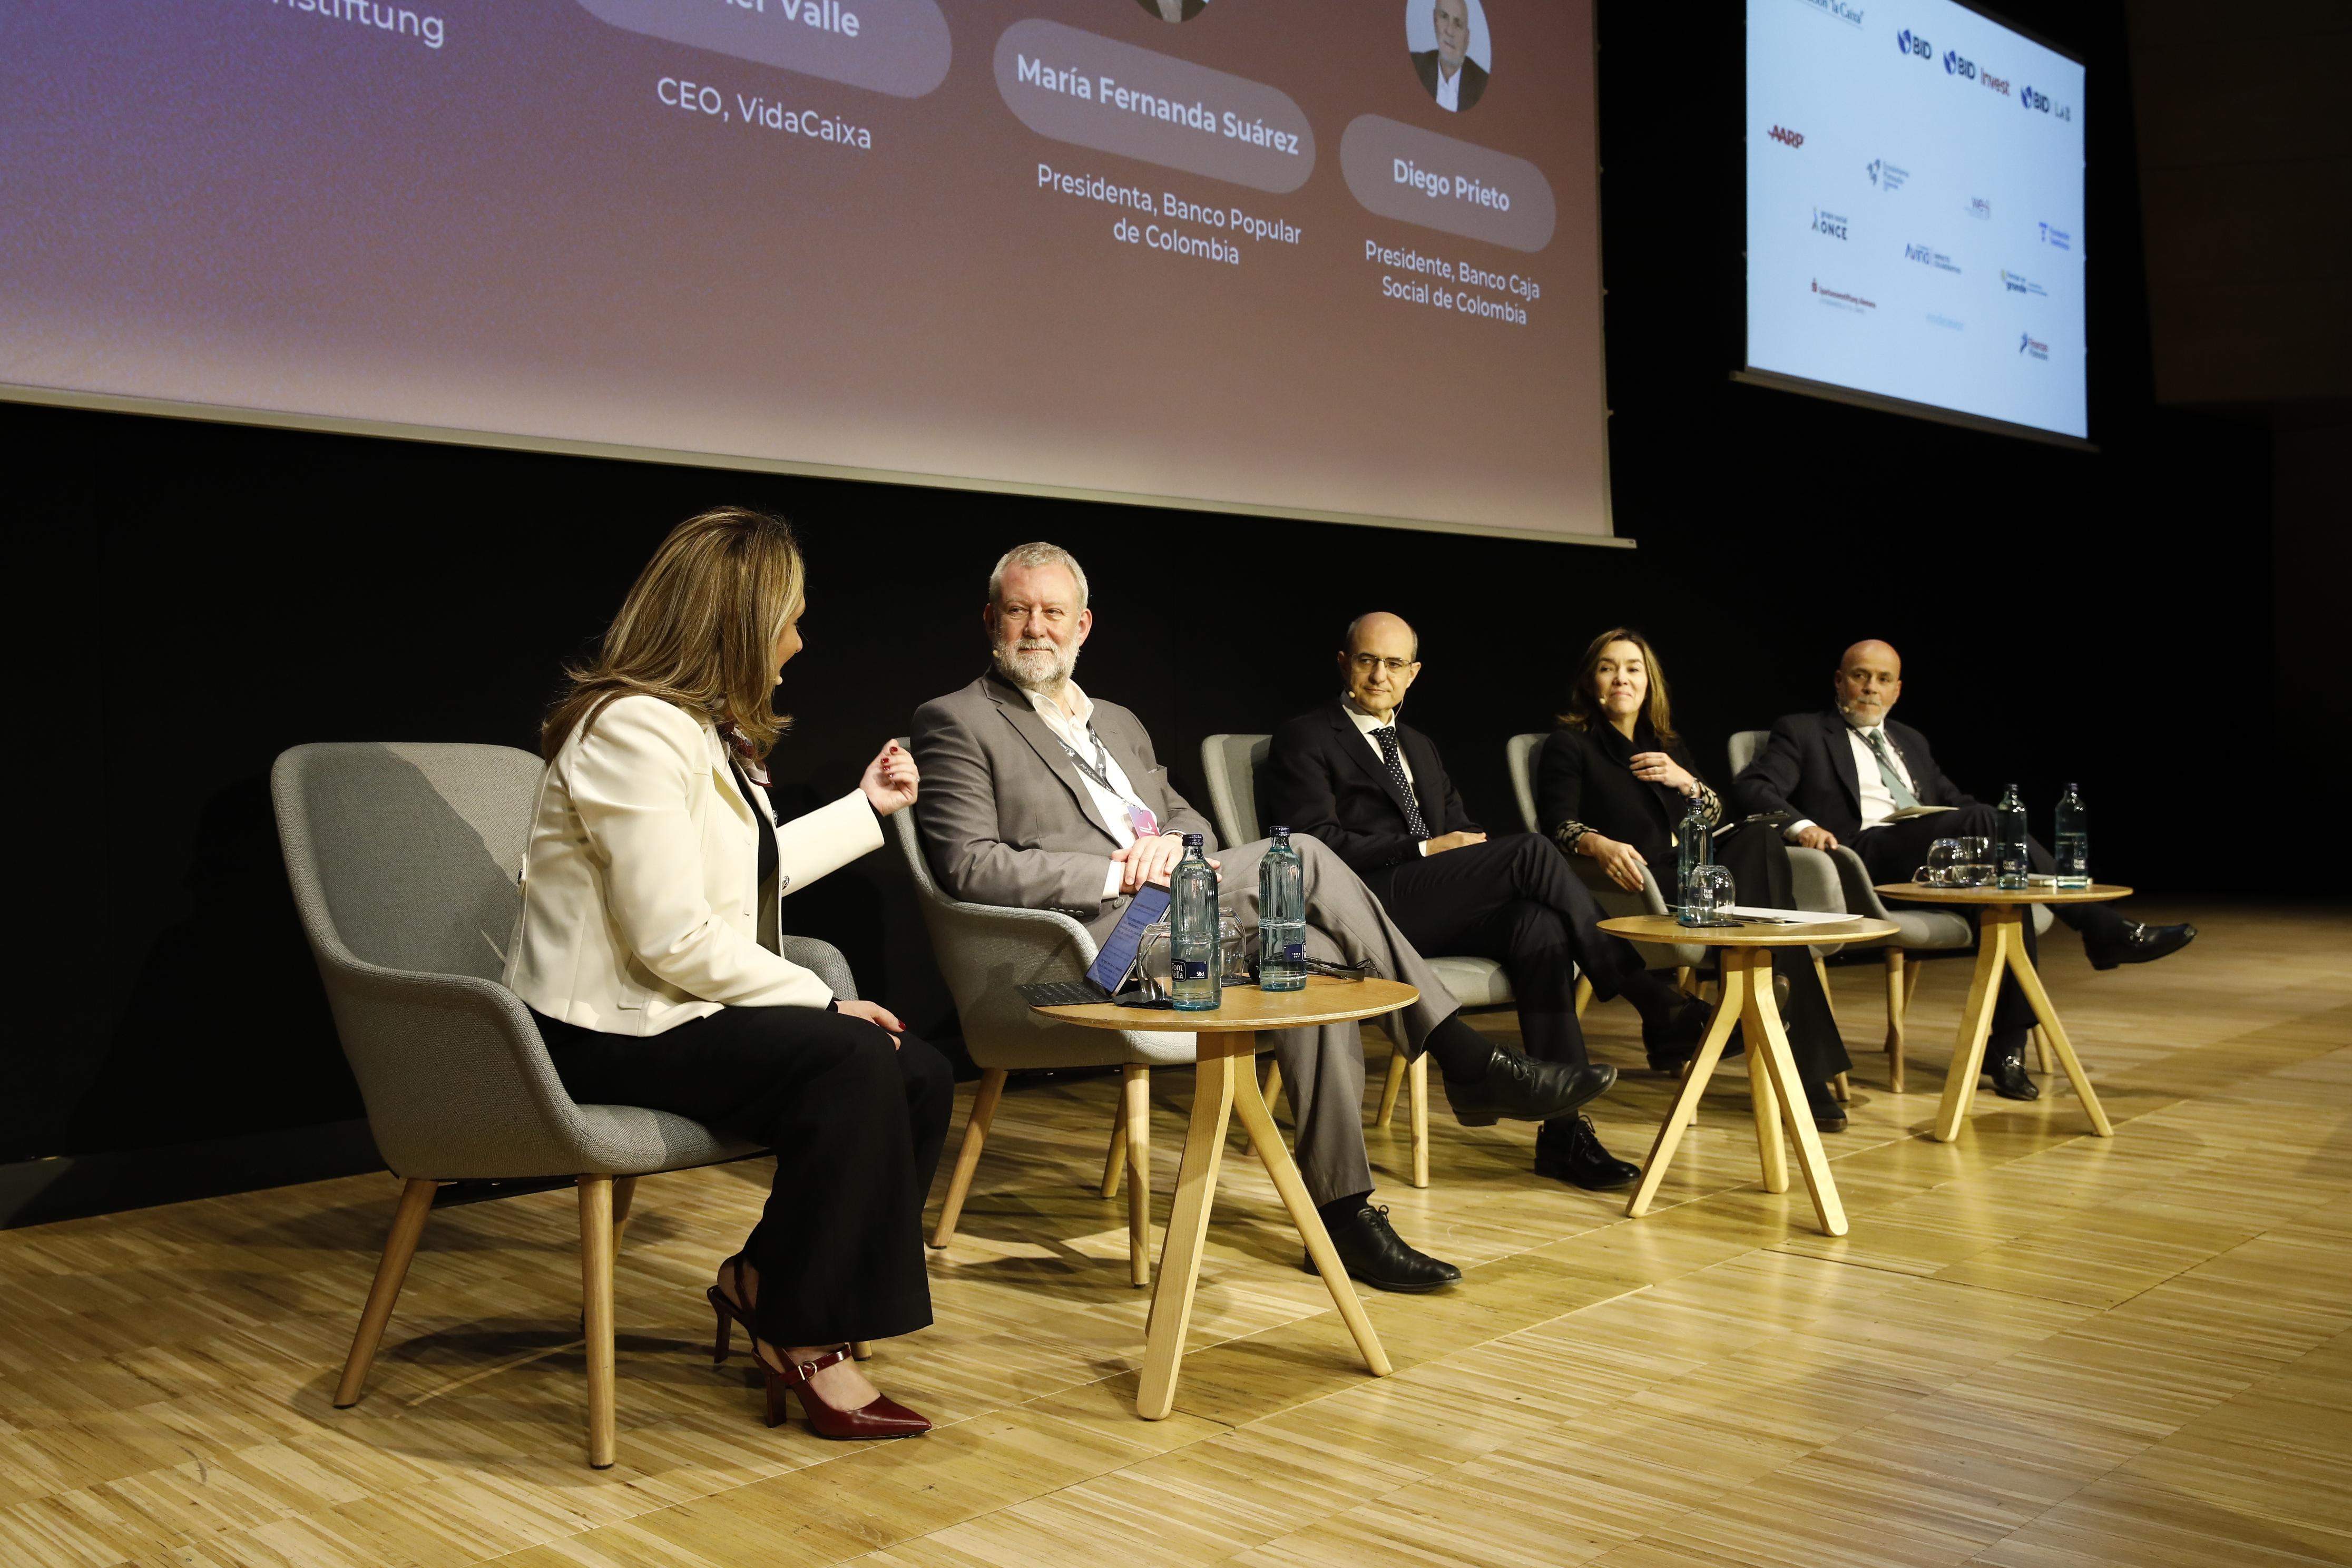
point(647, 947)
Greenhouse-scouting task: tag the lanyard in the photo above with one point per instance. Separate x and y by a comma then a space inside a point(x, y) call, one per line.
point(1139, 816)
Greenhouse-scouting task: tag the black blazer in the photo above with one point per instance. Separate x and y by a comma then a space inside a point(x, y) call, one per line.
point(1807, 768)
point(1474, 79)
point(1584, 776)
point(1323, 777)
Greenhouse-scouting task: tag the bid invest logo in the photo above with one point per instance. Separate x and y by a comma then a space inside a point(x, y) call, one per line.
point(1782, 134)
point(2031, 347)
point(1913, 45)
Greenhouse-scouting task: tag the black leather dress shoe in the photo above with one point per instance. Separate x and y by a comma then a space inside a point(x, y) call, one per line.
point(1525, 1090)
point(1673, 1040)
point(2140, 944)
point(1374, 1254)
point(2009, 1079)
point(1570, 1152)
point(1828, 1114)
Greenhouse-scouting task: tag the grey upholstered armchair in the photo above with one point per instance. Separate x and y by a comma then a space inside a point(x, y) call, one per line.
point(1683, 958)
point(403, 860)
point(984, 951)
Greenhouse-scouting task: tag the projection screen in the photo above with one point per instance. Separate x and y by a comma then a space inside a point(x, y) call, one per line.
point(1332, 258)
point(1914, 212)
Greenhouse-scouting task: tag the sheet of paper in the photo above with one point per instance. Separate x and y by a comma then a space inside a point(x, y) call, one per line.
point(1796, 917)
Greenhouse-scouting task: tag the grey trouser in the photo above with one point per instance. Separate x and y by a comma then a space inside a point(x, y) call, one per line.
point(1323, 1068)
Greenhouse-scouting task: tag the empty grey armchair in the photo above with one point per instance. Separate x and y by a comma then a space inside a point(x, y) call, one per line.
point(1230, 763)
point(985, 952)
point(1923, 931)
point(403, 861)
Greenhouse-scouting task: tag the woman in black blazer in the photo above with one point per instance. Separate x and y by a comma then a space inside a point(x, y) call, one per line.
point(1613, 784)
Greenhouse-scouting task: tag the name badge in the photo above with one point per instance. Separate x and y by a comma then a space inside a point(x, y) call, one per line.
point(1141, 819)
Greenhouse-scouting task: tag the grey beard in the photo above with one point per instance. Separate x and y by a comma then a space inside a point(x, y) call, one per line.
point(1046, 684)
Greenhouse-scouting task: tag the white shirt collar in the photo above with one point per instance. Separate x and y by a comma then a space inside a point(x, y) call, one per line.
point(1364, 721)
point(1449, 87)
point(1074, 720)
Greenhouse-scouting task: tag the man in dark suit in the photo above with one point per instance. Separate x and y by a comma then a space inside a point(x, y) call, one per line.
point(1377, 793)
point(1842, 776)
point(1448, 73)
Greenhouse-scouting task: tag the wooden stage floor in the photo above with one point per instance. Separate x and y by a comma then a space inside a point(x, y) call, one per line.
point(2036, 1349)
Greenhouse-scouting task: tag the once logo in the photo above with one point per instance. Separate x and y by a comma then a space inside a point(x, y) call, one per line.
point(1782, 133)
point(2032, 100)
point(1955, 65)
point(1912, 44)
point(2031, 347)
point(1828, 224)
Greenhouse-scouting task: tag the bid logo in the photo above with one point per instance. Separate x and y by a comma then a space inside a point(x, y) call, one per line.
point(1912, 44)
point(2032, 100)
point(1955, 64)
point(1783, 134)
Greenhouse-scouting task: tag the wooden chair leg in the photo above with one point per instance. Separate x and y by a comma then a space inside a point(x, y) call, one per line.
point(1135, 1100)
point(399, 1247)
point(1822, 970)
point(1392, 1088)
point(596, 1287)
point(861, 1350)
point(1273, 1085)
point(625, 1197)
point(1115, 1157)
point(1583, 994)
point(1843, 1089)
point(976, 1138)
point(1418, 1074)
point(1686, 980)
point(1898, 996)
point(2041, 1050)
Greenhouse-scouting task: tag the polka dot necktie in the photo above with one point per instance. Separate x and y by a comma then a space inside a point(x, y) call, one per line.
point(1386, 736)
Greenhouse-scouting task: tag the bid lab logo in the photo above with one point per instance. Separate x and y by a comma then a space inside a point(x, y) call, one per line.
point(1912, 44)
point(2032, 100)
point(2031, 347)
point(1781, 134)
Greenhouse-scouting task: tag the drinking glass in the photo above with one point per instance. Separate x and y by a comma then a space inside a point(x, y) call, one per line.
point(1975, 862)
point(1707, 895)
point(1942, 866)
point(1152, 956)
point(1232, 951)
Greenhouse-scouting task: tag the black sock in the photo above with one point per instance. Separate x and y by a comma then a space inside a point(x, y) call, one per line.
point(1651, 996)
point(1460, 1051)
point(1340, 1209)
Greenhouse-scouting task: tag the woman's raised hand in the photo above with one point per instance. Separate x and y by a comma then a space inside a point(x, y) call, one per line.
point(1656, 767)
point(890, 780)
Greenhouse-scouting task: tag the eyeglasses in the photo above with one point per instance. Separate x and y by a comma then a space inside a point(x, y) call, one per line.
point(1365, 661)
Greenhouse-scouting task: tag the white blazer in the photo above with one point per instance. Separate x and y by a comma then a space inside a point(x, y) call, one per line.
point(640, 908)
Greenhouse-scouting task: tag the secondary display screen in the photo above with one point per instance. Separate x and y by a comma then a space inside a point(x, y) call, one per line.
point(1323, 258)
point(1915, 210)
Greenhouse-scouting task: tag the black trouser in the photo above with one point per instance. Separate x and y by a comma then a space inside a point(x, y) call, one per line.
point(1892, 852)
point(1515, 900)
point(1758, 859)
point(856, 1128)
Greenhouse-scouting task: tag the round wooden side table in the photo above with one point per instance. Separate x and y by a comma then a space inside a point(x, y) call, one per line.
point(1225, 1084)
point(1747, 998)
point(2001, 946)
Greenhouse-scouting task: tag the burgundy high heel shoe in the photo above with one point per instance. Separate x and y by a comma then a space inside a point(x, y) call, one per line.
point(884, 1418)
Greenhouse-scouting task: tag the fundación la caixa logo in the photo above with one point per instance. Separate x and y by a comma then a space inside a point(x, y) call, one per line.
point(2031, 347)
point(1915, 45)
point(1786, 137)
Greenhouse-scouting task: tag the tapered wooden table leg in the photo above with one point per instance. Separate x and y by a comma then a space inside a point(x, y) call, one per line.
point(1769, 1041)
point(1135, 1092)
point(2055, 1034)
point(1997, 929)
point(1686, 1107)
point(1771, 1152)
point(1187, 1221)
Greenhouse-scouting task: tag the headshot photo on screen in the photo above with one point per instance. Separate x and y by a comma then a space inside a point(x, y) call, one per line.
point(1174, 10)
point(1451, 51)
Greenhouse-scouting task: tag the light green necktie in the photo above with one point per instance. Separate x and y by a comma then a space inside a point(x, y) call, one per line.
point(1904, 799)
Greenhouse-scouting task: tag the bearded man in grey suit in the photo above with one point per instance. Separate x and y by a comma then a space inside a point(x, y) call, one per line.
point(1038, 796)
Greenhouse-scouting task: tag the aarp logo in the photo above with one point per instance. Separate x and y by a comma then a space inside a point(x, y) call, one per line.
point(1956, 64)
point(1782, 134)
point(1913, 45)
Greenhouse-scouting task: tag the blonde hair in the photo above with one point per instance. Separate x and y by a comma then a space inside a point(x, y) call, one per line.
point(698, 630)
point(1582, 707)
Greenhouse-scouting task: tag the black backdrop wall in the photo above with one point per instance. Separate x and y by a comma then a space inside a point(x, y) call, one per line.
point(216, 593)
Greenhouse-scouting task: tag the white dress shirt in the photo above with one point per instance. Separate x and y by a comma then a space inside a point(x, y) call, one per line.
point(1365, 724)
point(1877, 800)
point(1449, 89)
point(1112, 805)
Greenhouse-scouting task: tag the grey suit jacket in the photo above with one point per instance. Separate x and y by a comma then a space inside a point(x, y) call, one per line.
point(1005, 817)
